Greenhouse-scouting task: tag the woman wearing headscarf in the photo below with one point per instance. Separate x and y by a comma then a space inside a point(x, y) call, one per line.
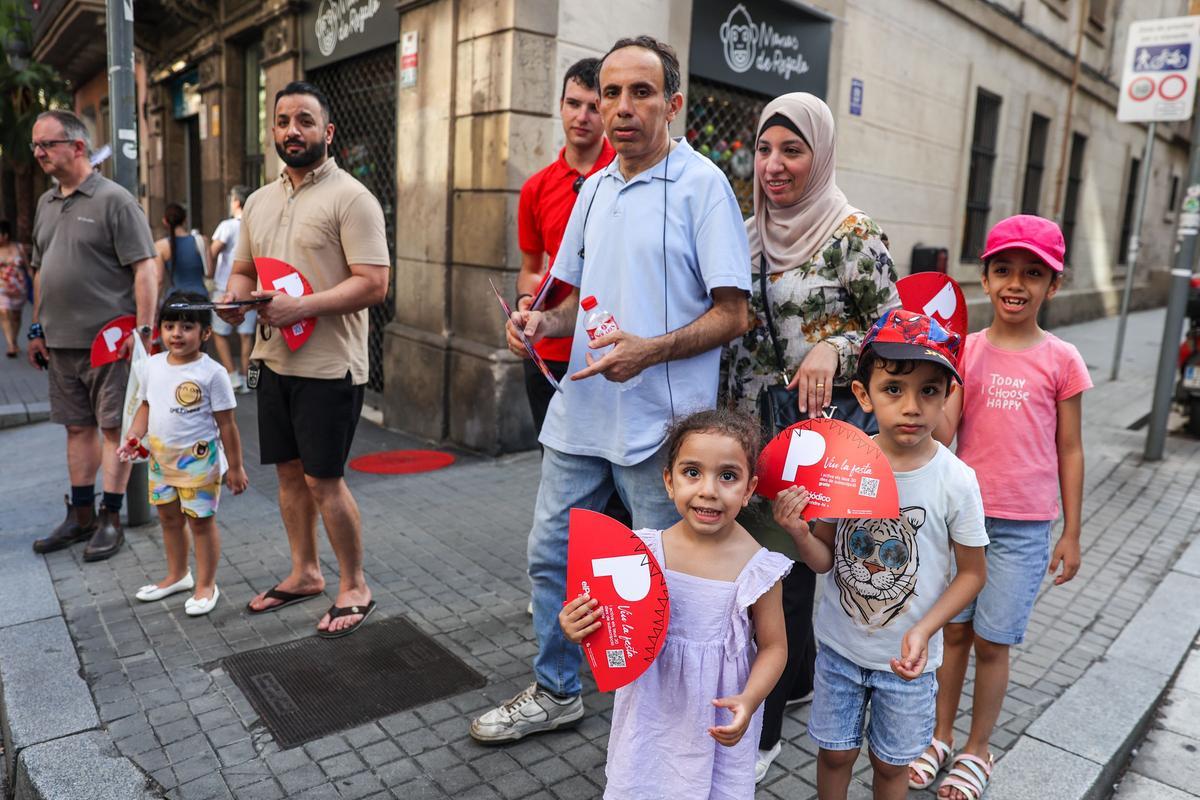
point(829, 276)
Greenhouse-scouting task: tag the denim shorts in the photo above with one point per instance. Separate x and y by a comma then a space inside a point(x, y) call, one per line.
point(1018, 554)
point(902, 712)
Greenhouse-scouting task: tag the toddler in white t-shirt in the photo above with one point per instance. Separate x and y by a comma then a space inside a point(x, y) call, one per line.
point(187, 421)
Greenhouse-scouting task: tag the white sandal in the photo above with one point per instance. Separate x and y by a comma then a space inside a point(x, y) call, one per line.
point(970, 775)
point(929, 764)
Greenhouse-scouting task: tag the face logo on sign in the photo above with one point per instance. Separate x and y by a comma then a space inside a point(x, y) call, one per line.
point(875, 566)
point(740, 37)
point(338, 19)
point(188, 393)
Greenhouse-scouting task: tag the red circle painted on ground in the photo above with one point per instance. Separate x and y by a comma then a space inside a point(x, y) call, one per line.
point(1162, 87)
point(1141, 89)
point(401, 462)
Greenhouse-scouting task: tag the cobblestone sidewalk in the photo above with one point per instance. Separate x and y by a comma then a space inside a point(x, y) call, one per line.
point(448, 550)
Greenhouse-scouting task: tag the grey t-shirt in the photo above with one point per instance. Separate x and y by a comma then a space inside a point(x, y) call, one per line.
point(83, 246)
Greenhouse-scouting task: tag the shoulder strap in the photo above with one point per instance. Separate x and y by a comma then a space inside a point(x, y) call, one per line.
point(762, 288)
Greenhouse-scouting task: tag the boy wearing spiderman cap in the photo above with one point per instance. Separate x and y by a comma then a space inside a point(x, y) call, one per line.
point(889, 589)
point(1018, 422)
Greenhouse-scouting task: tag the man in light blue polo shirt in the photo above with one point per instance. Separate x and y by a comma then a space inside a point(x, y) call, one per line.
point(657, 238)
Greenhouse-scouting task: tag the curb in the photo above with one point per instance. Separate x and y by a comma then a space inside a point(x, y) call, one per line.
point(54, 745)
point(14, 414)
point(1082, 741)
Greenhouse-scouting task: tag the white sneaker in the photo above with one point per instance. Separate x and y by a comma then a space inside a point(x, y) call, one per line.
point(529, 608)
point(533, 710)
point(195, 607)
point(242, 387)
point(763, 763)
point(237, 380)
point(150, 592)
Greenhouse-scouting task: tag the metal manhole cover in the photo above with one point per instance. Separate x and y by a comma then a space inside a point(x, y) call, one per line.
point(313, 687)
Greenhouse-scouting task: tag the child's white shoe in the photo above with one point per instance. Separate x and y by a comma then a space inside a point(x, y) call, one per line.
point(195, 607)
point(151, 592)
point(765, 758)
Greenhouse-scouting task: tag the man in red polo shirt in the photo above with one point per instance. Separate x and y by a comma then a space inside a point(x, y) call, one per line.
point(546, 202)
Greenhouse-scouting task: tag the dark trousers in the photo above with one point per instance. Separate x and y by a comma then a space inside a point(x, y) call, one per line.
point(797, 678)
point(540, 392)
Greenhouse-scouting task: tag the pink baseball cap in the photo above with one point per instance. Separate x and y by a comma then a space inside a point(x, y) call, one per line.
point(1037, 235)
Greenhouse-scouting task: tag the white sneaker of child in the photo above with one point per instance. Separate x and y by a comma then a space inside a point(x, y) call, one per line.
point(765, 758)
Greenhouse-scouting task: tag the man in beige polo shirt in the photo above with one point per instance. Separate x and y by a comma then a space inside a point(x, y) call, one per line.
point(326, 225)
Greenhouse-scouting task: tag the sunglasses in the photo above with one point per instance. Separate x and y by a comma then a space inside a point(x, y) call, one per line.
point(893, 553)
point(578, 184)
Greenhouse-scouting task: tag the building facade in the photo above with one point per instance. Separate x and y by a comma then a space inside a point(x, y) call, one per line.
point(951, 115)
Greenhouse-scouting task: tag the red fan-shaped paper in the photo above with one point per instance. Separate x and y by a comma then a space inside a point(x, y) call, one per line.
point(612, 564)
point(845, 472)
point(283, 277)
point(935, 295)
point(106, 347)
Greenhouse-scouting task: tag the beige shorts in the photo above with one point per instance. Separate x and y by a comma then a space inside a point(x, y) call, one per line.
point(83, 396)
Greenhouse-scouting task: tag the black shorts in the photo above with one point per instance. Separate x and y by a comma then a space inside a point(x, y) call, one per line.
point(312, 419)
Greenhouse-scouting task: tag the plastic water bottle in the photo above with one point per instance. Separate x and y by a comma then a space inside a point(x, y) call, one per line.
point(600, 322)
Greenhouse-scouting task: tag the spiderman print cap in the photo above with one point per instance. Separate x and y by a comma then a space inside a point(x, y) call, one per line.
point(901, 334)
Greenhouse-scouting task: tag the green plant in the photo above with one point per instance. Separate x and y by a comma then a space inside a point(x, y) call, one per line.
point(27, 88)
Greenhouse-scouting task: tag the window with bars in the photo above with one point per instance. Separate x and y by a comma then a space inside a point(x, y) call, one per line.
point(254, 93)
point(1035, 164)
point(1127, 215)
point(362, 99)
point(979, 181)
point(721, 122)
point(1074, 179)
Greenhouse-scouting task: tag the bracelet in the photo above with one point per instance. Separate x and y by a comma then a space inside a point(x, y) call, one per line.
point(35, 332)
point(517, 301)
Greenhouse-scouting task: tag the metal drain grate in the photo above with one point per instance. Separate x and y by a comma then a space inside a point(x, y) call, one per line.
point(313, 687)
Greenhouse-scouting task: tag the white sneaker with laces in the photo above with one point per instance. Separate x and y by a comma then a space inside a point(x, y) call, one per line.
point(533, 710)
point(765, 758)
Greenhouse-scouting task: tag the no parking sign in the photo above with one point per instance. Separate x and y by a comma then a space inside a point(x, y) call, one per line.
point(1159, 81)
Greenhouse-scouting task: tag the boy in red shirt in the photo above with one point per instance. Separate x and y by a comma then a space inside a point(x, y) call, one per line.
point(546, 202)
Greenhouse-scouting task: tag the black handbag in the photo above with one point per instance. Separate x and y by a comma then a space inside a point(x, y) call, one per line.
point(779, 406)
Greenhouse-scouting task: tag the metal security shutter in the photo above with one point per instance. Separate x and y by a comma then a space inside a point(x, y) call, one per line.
point(362, 93)
point(720, 125)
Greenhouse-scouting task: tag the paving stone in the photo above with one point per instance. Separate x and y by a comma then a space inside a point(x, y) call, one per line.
point(1138, 787)
point(1169, 758)
point(1034, 770)
point(95, 771)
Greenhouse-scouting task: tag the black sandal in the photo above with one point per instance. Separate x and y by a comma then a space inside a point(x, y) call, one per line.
point(345, 611)
point(287, 598)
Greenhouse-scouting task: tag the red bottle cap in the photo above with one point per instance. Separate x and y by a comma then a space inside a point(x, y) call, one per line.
point(588, 303)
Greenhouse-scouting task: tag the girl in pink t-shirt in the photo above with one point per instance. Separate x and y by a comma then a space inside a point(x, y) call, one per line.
point(1018, 425)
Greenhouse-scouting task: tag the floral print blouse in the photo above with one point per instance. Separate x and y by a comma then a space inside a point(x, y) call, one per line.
point(834, 298)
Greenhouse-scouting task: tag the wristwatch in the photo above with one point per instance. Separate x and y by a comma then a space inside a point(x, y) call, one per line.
point(145, 331)
point(35, 332)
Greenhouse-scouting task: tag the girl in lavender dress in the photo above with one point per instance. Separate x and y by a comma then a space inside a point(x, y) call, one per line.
point(689, 726)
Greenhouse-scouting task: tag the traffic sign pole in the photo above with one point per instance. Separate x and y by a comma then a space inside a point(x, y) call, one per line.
point(1134, 246)
point(1181, 277)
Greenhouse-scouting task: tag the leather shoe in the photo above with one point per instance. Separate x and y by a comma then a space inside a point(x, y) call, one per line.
point(107, 539)
point(80, 524)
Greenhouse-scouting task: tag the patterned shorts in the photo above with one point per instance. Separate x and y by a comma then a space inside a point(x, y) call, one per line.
point(200, 502)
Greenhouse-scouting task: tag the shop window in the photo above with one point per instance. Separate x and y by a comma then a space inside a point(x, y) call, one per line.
point(979, 181)
point(1035, 164)
point(1074, 179)
point(721, 124)
point(1098, 13)
point(1127, 214)
point(362, 99)
point(254, 92)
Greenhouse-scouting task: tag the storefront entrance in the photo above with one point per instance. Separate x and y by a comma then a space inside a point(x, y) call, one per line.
point(362, 94)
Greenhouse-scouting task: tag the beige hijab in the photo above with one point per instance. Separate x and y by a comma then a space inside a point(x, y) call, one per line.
point(792, 235)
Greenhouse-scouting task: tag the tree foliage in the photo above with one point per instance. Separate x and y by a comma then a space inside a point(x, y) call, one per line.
point(26, 89)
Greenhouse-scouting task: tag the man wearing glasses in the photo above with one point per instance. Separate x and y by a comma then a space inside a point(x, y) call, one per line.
point(93, 260)
point(546, 202)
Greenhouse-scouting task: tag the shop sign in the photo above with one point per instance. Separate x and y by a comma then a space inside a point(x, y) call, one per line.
point(767, 46)
point(337, 29)
point(185, 95)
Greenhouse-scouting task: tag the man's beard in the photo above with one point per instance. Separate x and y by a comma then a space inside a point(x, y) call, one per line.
point(307, 157)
